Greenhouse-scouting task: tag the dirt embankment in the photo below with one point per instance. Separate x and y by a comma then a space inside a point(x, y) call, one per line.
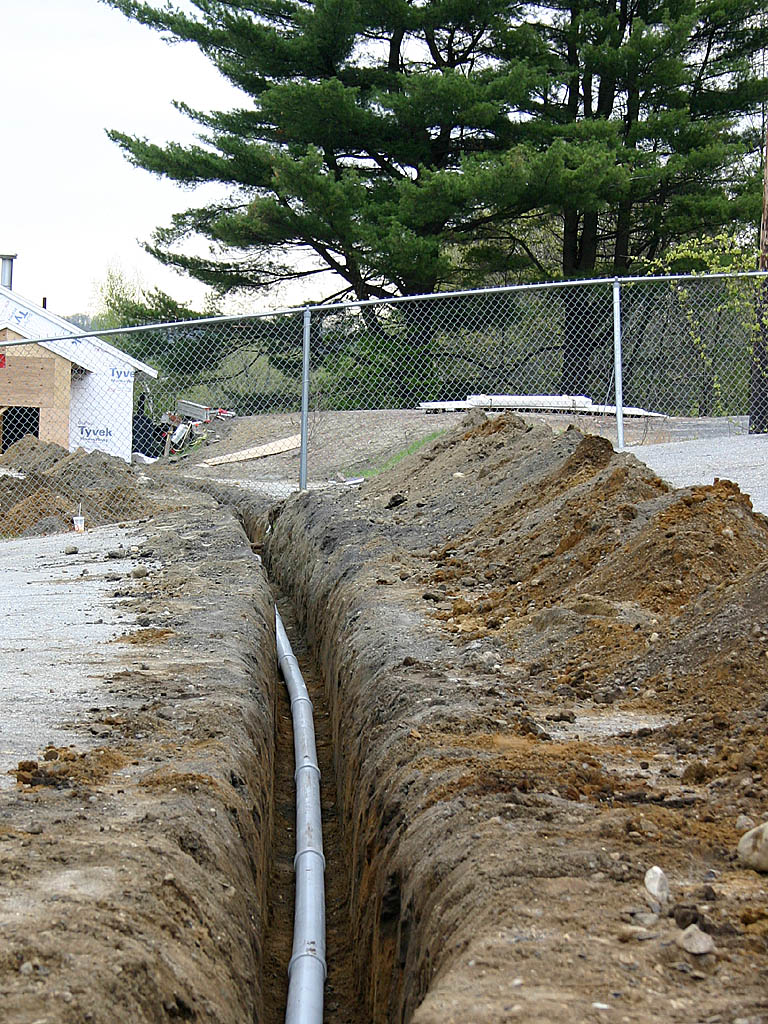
point(133, 876)
point(547, 673)
point(42, 486)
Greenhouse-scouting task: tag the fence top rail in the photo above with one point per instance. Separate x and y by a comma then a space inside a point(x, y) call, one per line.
point(394, 300)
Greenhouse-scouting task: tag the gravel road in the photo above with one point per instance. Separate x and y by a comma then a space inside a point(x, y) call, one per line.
point(56, 619)
point(743, 459)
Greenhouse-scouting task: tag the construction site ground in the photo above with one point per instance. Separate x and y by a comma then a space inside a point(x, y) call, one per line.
point(539, 671)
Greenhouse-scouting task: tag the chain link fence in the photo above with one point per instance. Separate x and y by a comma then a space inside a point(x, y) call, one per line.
point(691, 351)
point(328, 393)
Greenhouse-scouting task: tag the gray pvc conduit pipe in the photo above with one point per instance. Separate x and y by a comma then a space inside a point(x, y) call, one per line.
point(306, 970)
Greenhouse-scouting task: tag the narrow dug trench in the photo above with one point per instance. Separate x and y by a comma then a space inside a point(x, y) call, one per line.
point(342, 1003)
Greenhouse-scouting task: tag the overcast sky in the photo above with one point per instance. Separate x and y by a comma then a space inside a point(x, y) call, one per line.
point(71, 204)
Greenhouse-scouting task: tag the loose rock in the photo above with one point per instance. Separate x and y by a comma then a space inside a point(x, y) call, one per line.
point(694, 940)
point(633, 933)
point(645, 920)
point(395, 500)
point(706, 894)
point(752, 850)
point(685, 914)
point(657, 885)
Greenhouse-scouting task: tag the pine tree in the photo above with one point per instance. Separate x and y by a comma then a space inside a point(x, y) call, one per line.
point(391, 142)
point(663, 91)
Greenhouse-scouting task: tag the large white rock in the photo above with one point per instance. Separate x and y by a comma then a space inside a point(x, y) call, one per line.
point(657, 885)
point(753, 848)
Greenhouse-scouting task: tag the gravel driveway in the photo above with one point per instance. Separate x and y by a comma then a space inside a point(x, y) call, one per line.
point(743, 459)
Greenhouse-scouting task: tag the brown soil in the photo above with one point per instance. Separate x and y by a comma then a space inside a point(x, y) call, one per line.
point(537, 671)
point(133, 874)
point(50, 484)
point(153, 635)
point(547, 672)
point(63, 766)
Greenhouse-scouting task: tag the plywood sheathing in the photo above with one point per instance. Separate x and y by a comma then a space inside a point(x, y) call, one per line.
point(34, 377)
point(27, 382)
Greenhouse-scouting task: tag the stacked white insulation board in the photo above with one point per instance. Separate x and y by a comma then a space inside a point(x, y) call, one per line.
point(574, 404)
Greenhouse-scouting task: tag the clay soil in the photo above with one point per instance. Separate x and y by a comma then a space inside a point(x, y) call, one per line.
point(537, 671)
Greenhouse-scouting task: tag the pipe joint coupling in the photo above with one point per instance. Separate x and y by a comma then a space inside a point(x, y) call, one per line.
point(312, 956)
point(306, 850)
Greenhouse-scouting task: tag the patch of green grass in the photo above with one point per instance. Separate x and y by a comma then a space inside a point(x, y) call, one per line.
point(393, 460)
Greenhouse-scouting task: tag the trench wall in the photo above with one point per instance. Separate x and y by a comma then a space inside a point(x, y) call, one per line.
point(168, 820)
point(367, 648)
point(223, 780)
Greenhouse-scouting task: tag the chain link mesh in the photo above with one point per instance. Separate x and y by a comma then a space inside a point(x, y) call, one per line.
point(689, 352)
point(378, 371)
point(87, 418)
point(220, 401)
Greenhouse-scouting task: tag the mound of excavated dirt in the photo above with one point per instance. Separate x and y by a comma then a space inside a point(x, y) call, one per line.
point(548, 671)
point(50, 484)
point(29, 454)
point(40, 506)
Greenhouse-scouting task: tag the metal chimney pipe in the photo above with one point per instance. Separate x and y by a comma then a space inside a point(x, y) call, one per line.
point(6, 271)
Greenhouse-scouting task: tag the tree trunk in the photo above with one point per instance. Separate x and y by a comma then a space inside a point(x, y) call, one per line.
point(588, 244)
point(580, 338)
point(623, 228)
point(570, 243)
point(580, 333)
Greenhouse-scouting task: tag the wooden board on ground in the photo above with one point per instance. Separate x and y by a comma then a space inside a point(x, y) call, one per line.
point(260, 451)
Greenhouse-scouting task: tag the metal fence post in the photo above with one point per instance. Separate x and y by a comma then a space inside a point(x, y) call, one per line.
point(305, 401)
point(617, 364)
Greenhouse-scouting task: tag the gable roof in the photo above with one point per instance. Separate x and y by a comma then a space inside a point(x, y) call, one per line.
point(35, 324)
